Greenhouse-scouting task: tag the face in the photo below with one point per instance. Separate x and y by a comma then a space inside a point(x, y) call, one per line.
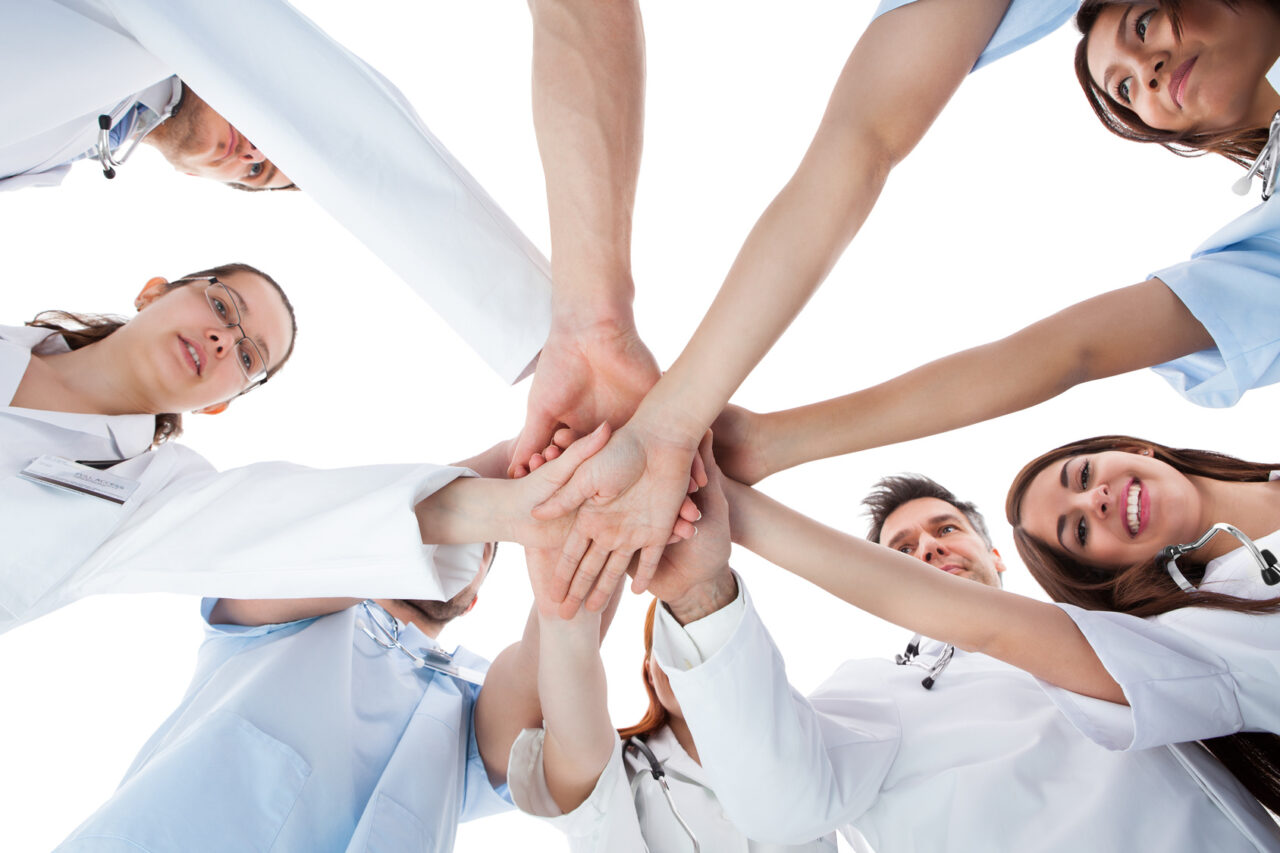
point(439, 612)
point(185, 357)
point(662, 687)
point(199, 141)
point(935, 532)
point(1111, 509)
point(1213, 79)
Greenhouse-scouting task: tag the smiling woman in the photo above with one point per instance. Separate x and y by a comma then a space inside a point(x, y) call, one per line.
point(1190, 75)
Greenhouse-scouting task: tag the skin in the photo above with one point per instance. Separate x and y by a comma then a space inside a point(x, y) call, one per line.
point(588, 112)
point(630, 493)
point(1174, 507)
point(1134, 55)
point(1123, 330)
point(198, 141)
point(145, 367)
point(936, 533)
point(580, 737)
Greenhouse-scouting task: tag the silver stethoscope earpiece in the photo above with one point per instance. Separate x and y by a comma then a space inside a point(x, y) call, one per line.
point(1264, 165)
point(147, 121)
point(638, 747)
point(911, 656)
point(1168, 557)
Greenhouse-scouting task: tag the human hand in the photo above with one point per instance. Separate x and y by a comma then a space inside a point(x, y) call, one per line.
point(585, 376)
point(693, 576)
point(740, 445)
point(629, 497)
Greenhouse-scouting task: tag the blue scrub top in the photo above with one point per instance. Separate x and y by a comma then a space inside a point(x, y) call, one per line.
point(1026, 21)
point(303, 737)
point(1232, 286)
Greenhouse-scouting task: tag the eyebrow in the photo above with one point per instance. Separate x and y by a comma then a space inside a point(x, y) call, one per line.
point(930, 522)
point(244, 313)
point(1120, 37)
point(1062, 476)
point(1062, 522)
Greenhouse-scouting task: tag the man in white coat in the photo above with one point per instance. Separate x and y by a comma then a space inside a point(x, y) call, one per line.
point(920, 754)
point(277, 79)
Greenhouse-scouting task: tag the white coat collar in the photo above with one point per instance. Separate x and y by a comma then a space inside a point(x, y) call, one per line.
point(674, 759)
point(131, 434)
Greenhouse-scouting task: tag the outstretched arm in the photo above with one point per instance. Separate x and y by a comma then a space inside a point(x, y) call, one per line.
point(588, 111)
point(887, 96)
point(1127, 329)
point(1031, 635)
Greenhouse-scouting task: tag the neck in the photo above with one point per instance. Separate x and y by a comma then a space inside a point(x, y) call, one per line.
point(680, 729)
point(412, 616)
point(84, 381)
point(1252, 507)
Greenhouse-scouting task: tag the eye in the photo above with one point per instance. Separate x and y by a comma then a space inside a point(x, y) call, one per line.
point(255, 170)
point(246, 360)
point(219, 306)
point(1140, 25)
point(1122, 90)
point(947, 528)
point(1084, 475)
point(1082, 532)
point(905, 549)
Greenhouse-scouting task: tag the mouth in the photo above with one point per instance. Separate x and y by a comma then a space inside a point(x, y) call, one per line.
point(1137, 508)
point(1178, 82)
point(952, 569)
point(193, 355)
point(233, 138)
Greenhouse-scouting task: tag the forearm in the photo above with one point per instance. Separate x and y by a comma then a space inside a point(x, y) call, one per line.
point(508, 704)
point(1119, 331)
point(571, 684)
point(470, 509)
point(588, 110)
point(1031, 635)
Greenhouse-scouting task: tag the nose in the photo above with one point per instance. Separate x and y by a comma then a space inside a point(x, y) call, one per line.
point(221, 342)
point(1153, 74)
point(1100, 501)
point(930, 549)
point(249, 152)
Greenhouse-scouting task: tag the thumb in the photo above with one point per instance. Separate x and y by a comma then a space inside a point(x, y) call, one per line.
point(536, 435)
point(568, 496)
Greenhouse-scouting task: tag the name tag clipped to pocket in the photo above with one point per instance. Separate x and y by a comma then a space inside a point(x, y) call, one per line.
point(76, 477)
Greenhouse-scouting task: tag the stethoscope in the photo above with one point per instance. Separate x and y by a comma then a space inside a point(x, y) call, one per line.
point(147, 121)
point(1264, 165)
point(635, 746)
point(1168, 557)
point(911, 657)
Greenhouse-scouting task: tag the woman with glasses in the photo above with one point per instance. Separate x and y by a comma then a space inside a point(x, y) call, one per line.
point(96, 497)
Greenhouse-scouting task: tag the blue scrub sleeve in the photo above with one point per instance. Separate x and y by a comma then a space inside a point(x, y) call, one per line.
point(479, 797)
point(1235, 294)
point(1026, 21)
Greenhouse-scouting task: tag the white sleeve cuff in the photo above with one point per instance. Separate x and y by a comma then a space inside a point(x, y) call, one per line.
point(693, 644)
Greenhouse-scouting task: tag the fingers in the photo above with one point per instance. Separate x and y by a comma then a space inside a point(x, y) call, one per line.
point(699, 472)
point(536, 461)
point(575, 546)
point(579, 486)
point(648, 565)
point(614, 568)
point(682, 531)
point(536, 435)
point(587, 570)
point(689, 510)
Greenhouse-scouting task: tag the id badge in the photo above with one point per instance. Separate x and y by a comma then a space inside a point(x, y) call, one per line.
point(442, 661)
point(74, 477)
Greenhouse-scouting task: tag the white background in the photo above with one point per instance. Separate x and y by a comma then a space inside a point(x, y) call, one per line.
point(1017, 204)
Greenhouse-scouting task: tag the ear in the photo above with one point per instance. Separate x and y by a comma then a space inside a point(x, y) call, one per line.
point(999, 560)
point(1146, 451)
point(472, 605)
point(215, 409)
point(151, 291)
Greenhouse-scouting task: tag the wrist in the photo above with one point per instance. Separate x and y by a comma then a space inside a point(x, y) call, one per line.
point(575, 310)
point(704, 598)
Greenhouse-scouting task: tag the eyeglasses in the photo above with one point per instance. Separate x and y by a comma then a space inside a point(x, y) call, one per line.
point(223, 306)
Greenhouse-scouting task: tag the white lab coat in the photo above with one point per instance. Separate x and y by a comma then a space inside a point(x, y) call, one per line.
point(269, 530)
point(627, 812)
point(983, 761)
point(300, 738)
point(1189, 674)
point(377, 169)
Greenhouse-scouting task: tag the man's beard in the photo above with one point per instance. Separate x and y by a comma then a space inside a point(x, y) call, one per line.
point(442, 611)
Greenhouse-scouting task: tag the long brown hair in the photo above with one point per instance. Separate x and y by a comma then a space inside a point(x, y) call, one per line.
point(1240, 146)
point(1145, 590)
point(80, 330)
point(656, 717)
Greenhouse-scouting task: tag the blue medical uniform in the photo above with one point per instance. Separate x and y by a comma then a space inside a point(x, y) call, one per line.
point(1026, 21)
point(308, 737)
point(1232, 286)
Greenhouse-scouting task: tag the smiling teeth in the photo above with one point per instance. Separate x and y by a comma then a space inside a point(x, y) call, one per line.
point(195, 356)
point(1132, 516)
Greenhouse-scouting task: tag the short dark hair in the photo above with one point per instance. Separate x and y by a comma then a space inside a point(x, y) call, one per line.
point(892, 492)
